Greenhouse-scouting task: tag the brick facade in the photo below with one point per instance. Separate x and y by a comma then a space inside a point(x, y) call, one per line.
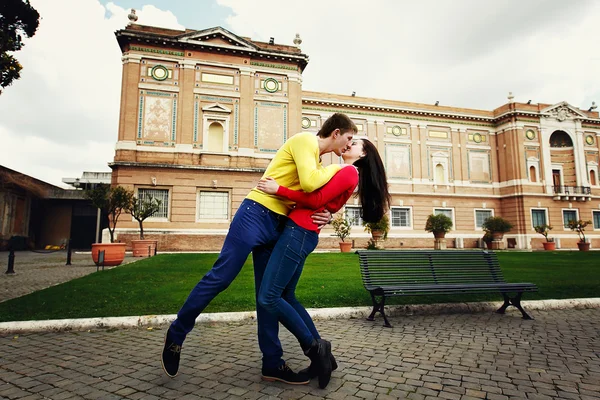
point(204, 111)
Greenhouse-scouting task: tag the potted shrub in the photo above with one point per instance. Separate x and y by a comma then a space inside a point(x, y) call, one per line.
point(112, 201)
point(378, 230)
point(497, 226)
point(579, 227)
point(342, 225)
point(439, 224)
point(544, 230)
point(140, 210)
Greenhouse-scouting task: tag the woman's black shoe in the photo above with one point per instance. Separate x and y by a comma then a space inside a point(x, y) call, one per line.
point(320, 354)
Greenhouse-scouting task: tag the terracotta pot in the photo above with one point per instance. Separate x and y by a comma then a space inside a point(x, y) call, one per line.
point(583, 246)
point(439, 235)
point(345, 247)
point(497, 235)
point(377, 235)
point(143, 248)
point(549, 246)
point(114, 253)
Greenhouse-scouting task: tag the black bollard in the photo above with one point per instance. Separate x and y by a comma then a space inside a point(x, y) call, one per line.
point(11, 262)
point(149, 251)
point(68, 252)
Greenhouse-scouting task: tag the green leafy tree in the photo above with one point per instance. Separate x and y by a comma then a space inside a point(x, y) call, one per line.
point(342, 225)
point(140, 209)
point(17, 18)
point(112, 201)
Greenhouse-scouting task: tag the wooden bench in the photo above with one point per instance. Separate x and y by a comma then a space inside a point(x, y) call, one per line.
point(430, 272)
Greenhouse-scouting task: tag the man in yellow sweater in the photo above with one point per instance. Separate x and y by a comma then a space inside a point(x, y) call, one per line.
point(255, 228)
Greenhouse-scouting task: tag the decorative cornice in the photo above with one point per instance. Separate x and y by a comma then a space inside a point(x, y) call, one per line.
point(179, 166)
point(269, 65)
point(403, 116)
point(157, 51)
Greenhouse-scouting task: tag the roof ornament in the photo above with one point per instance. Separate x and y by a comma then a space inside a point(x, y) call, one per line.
point(132, 17)
point(510, 97)
point(297, 40)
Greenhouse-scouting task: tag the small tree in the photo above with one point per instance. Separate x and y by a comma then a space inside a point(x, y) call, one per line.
point(383, 225)
point(342, 225)
point(140, 209)
point(579, 227)
point(544, 230)
point(496, 225)
point(112, 201)
point(439, 223)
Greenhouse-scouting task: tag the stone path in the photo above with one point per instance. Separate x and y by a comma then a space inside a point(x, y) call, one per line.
point(459, 356)
point(36, 271)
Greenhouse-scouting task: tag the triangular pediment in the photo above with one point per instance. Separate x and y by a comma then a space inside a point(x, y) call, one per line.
point(563, 111)
point(216, 107)
point(218, 37)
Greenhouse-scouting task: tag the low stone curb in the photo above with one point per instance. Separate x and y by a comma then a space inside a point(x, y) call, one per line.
point(316, 313)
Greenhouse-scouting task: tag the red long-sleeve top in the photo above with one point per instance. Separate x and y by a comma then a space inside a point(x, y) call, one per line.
point(332, 196)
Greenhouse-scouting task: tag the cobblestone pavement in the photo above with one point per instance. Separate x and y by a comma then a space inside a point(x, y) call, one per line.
point(35, 271)
point(458, 356)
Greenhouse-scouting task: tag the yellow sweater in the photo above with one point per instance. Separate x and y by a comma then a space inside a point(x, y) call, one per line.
point(296, 166)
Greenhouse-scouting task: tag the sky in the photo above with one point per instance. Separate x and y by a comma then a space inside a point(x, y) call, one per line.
point(61, 118)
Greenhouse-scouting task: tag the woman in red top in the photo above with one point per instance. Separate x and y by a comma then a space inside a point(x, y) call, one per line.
point(300, 237)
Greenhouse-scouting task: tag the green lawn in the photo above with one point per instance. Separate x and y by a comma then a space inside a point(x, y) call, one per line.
point(160, 285)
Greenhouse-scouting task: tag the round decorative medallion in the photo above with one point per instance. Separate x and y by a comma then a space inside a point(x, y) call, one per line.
point(305, 123)
point(271, 85)
point(159, 72)
point(530, 134)
point(477, 137)
point(589, 140)
point(396, 130)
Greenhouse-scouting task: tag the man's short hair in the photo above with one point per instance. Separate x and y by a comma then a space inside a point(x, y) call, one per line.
point(337, 121)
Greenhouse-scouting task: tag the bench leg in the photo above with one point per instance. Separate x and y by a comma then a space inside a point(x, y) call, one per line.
point(379, 306)
point(515, 301)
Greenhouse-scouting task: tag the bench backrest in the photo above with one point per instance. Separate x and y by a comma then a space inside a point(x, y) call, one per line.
point(422, 267)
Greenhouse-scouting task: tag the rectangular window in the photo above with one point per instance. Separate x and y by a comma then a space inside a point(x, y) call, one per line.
point(401, 217)
point(353, 213)
point(481, 216)
point(213, 205)
point(596, 218)
point(538, 217)
point(569, 215)
point(160, 194)
point(446, 211)
point(215, 78)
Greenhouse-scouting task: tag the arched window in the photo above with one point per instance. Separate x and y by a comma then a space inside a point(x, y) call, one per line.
point(215, 138)
point(440, 176)
point(560, 139)
point(532, 174)
point(593, 178)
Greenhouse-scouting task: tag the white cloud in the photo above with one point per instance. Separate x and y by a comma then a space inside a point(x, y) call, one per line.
point(465, 53)
point(61, 117)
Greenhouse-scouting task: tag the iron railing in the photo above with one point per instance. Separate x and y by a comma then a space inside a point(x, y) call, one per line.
point(573, 190)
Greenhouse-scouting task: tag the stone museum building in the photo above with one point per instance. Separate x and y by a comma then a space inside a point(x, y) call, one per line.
point(203, 112)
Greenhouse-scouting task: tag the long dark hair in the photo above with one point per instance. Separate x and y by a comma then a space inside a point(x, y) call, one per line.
point(373, 191)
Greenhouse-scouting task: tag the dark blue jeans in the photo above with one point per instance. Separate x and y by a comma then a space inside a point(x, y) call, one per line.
point(277, 294)
point(254, 229)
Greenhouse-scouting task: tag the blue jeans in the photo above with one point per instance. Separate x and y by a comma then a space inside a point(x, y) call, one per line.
point(254, 229)
point(277, 294)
